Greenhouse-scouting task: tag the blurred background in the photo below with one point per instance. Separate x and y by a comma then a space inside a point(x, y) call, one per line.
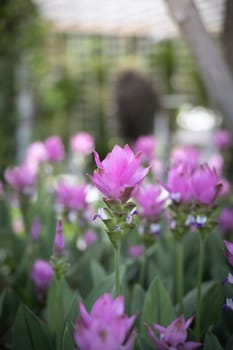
point(116, 69)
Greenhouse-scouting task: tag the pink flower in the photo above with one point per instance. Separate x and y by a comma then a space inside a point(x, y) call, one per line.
point(225, 188)
point(59, 239)
point(216, 162)
point(21, 178)
point(174, 336)
point(72, 197)
point(225, 220)
point(150, 200)
point(136, 250)
point(37, 152)
point(222, 139)
point(82, 143)
point(55, 149)
point(205, 184)
point(118, 174)
point(186, 155)
point(229, 252)
point(178, 184)
point(41, 276)
point(146, 145)
point(106, 327)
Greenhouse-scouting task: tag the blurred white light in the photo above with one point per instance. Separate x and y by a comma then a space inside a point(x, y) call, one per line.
point(197, 119)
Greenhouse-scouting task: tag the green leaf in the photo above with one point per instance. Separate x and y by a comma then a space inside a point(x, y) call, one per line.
point(211, 343)
point(97, 272)
point(211, 305)
point(29, 333)
point(157, 306)
point(141, 344)
point(138, 297)
point(68, 337)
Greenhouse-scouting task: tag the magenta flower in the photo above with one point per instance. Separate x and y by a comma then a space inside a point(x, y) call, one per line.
point(41, 276)
point(174, 336)
point(106, 327)
point(21, 178)
point(225, 187)
point(136, 251)
point(229, 252)
point(146, 145)
point(72, 197)
point(55, 149)
point(151, 201)
point(178, 184)
point(225, 220)
point(82, 143)
point(59, 239)
point(205, 184)
point(222, 139)
point(90, 237)
point(186, 155)
point(216, 162)
point(118, 174)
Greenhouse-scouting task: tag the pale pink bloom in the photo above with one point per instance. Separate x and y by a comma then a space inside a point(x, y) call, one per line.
point(146, 145)
point(222, 139)
point(17, 226)
point(185, 155)
point(118, 174)
point(225, 187)
point(41, 276)
point(225, 220)
point(90, 237)
point(59, 239)
point(136, 250)
point(106, 327)
point(21, 178)
point(82, 143)
point(205, 184)
point(150, 200)
point(72, 197)
point(37, 153)
point(178, 183)
point(55, 149)
point(174, 336)
point(156, 168)
point(216, 162)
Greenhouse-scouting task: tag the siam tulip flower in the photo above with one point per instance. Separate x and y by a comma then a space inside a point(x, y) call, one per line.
point(90, 237)
point(222, 139)
point(178, 184)
point(136, 251)
point(59, 239)
point(72, 197)
point(106, 327)
point(41, 276)
point(186, 155)
point(174, 336)
point(118, 174)
point(35, 229)
point(146, 145)
point(82, 143)
point(21, 178)
point(151, 200)
point(225, 188)
point(229, 252)
point(205, 185)
point(216, 162)
point(225, 220)
point(37, 153)
point(55, 149)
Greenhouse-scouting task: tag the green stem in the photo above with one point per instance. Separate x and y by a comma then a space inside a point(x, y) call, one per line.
point(142, 270)
point(179, 275)
point(199, 283)
point(117, 251)
point(59, 331)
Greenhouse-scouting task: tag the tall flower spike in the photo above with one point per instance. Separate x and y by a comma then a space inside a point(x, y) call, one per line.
point(59, 240)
